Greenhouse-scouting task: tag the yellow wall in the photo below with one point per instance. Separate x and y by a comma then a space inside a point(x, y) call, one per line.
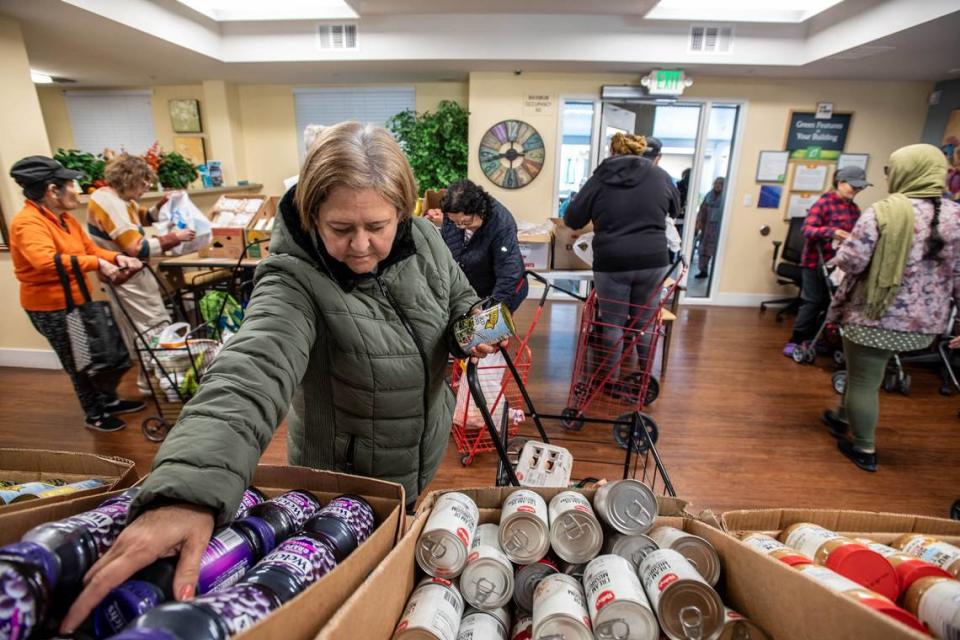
point(887, 115)
point(23, 135)
point(55, 118)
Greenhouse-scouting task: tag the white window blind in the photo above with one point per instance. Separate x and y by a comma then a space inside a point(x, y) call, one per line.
point(111, 119)
point(329, 106)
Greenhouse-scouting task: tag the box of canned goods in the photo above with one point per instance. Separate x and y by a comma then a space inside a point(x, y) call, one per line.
point(302, 541)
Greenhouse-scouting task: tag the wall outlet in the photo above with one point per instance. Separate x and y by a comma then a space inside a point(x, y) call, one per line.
point(748, 200)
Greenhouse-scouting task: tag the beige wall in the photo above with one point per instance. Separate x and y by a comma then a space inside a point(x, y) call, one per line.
point(23, 134)
point(886, 116)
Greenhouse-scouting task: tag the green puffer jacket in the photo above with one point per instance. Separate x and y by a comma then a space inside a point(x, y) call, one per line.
point(358, 361)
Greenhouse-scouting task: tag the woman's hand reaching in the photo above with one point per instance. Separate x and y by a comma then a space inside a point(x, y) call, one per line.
point(182, 529)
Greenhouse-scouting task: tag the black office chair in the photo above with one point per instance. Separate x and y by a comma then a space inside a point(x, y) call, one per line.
point(788, 270)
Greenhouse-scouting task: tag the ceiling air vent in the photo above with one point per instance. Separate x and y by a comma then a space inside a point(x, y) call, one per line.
point(711, 38)
point(337, 36)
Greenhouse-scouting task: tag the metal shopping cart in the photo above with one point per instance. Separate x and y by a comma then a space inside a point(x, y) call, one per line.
point(641, 460)
point(616, 350)
point(173, 358)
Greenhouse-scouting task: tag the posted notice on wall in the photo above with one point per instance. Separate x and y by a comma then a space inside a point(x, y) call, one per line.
point(810, 177)
point(799, 203)
point(538, 104)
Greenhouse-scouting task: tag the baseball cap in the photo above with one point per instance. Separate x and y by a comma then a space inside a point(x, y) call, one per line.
point(34, 170)
point(854, 176)
point(653, 147)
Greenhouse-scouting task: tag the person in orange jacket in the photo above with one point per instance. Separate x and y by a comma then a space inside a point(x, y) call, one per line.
point(41, 230)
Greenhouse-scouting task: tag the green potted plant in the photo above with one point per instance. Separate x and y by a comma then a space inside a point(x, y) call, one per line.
point(90, 165)
point(175, 171)
point(435, 143)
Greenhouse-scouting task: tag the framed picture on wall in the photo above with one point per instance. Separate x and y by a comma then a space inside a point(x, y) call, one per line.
point(190, 148)
point(185, 116)
point(772, 166)
point(853, 160)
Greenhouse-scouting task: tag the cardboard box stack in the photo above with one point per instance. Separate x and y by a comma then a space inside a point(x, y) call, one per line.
point(62, 467)
point(261, 228)
point(564, 237)
point(231, 215)
point(306, 613)
point(535, 246)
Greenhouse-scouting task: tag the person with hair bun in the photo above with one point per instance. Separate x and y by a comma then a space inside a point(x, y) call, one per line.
point(347, 336)
point(902, 270)
point(628, 199)
point(482, 237)
point(115, 222)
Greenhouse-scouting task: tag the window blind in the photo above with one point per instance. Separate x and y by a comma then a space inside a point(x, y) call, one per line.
point(111, 119)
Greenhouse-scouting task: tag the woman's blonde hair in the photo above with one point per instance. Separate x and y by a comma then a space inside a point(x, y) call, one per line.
point(356, 156)
point(126, 173)
point(626, 144)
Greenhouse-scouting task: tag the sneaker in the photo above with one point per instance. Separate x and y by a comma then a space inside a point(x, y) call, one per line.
point(125, 406)
point(866, 461)
point(836, 425)
point(105, 423)
point(788, 349)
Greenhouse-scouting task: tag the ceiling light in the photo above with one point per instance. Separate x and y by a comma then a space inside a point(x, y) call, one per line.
point(740, 10)
point(40, 78)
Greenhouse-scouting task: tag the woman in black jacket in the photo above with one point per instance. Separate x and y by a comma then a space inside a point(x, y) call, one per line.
point(482, 237)
point(628, 199)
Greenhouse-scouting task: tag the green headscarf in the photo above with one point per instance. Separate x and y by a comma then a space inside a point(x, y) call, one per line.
point(914, 171)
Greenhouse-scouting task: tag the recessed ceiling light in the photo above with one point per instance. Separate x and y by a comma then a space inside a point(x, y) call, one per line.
point(783, 11)
point(40, 78)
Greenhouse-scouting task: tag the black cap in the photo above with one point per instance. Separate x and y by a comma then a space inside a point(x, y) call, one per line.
point(854, 176)
point(653, 147)
point(34, 170)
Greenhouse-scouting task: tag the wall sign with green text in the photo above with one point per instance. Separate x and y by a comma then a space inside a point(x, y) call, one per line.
point(812, 138)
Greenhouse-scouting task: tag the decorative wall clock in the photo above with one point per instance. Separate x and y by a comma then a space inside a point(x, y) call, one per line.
point(511, 154)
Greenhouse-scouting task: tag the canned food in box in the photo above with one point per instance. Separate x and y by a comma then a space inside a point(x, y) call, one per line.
point(633, 547)
point(526, 580)
point(560, 609)
point(433, 612)
point(736, 627)
point(524, 527)
point(685, 604)
point(447, 535)
point(481, 625)
point(695, 549)
point(775, 549)
point(487, 579)
point(944, 555)
point(627, 506)
point(575, 532)
point(618, 607)
point(936, 602)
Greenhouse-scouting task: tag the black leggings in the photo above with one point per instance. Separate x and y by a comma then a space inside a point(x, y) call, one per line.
point(52, 325)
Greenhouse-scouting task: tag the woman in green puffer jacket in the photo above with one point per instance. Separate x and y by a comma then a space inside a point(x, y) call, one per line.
point(347, 329)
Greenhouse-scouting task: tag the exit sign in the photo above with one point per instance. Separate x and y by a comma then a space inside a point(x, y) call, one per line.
point(666, 82)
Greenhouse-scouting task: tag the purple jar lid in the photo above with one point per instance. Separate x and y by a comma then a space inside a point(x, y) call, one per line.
point(262, 529)
point(36, 555)
point(123, 605)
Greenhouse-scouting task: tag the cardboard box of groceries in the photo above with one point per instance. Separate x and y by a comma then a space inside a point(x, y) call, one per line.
point(261, 228)
point(230, 216)
point(885, 526)
point(781, 600)
point(564, 237)
point(40, 465)
point(535, 249)
point(302, 617)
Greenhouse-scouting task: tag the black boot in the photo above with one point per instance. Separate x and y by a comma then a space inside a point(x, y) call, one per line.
point(836, 425)
point(866, 461)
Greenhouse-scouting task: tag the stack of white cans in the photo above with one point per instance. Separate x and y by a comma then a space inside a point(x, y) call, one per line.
point(567, 569)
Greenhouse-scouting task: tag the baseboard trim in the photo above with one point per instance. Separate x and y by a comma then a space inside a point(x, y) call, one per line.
point(29, 359)
point(733, 300)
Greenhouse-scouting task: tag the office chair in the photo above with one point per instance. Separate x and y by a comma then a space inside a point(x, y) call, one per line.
point(788, 270)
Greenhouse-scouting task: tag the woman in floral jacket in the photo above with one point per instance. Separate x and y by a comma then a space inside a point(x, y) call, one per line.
point(902, 269)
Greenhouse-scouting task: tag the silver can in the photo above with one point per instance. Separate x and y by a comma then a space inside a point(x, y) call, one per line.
point(736, 627)
point(618, 606)
point(560, 610)
point(446, 538)
point(522, 627)
point(524, 527)
point(634, 548)
point(627, 506)
point(572, 569)
point(526, 580)
point(482, 625)
point(433, 612)
point(695, 549)
point(575, 532)
point(487, 579)
point(686, 606)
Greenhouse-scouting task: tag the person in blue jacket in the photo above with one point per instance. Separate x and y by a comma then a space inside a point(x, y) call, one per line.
point(482, 237)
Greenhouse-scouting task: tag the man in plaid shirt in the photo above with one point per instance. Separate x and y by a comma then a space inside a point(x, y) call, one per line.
point(830, 218)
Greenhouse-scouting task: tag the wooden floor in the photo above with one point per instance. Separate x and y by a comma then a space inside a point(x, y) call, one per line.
point(739, 423)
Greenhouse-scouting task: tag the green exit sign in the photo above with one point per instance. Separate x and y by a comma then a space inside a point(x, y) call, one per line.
point(666, 82)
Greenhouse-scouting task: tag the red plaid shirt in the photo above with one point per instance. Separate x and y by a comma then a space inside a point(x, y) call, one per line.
point(828, 213)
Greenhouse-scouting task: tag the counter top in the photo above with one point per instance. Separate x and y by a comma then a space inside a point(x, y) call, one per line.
point(232, 188)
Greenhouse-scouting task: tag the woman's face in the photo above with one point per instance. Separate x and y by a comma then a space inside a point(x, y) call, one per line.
point(65, 198)
point(137, 191)
point(465, 221)
point(357, 227)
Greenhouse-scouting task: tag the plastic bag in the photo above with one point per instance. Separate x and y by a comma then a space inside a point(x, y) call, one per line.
point(179, 212)
point(221, 312)
point(583, 247)
point(490, 373)
point(673, 236)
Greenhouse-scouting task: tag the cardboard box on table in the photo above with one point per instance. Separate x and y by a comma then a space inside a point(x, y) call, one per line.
point(229, 242)
point(38, 465)
point(302, 617)
point(261, 228)
point(535, 249)
point(564, 259)
point(781, 600)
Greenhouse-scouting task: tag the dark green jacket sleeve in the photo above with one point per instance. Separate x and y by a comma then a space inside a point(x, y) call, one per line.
point(210, 456)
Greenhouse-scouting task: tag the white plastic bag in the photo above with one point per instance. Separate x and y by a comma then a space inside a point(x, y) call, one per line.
point(490, 373)
point(179, 212)
point(583, 247)
point(673, 236)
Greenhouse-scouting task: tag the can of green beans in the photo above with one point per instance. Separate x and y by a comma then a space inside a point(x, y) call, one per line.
point(487, 326)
